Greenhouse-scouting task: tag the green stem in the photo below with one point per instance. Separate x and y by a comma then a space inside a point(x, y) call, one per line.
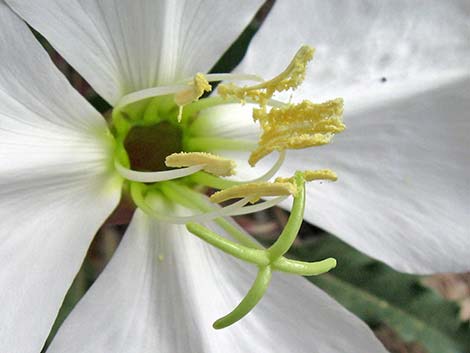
point(290, 231)
point(252, 298)
point(304, 268)
point(255, 256)
point(259, 257)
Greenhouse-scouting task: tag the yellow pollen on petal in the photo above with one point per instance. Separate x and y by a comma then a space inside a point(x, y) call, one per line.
point(290, 78)
point(254, 191)
point(194, 91)
point(212, 164)
point(297, 126)
point(311, 175)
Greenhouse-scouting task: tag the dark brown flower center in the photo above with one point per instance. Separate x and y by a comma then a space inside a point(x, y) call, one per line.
point(148, 146)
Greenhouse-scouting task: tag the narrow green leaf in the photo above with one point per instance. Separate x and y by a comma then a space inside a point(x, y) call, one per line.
point(378, 294)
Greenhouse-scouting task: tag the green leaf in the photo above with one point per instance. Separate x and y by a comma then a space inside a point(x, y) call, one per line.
point(378, 294)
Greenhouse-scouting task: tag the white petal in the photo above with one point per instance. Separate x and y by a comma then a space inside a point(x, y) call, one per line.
point(403, 192)
point(228, 121)
point(234, 122)
point(55, 190)
point(360, 42)
point(164, 288)
point(122, 46)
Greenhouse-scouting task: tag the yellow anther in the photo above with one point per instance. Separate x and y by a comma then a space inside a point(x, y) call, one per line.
point(310, 175)
point(290, 78)
point(212, 164)
point(195, 90)
point(254, 191)
point(297, 126)
point(321, 174)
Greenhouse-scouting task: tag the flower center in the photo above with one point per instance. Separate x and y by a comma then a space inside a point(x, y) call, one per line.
point(148, 146)
point(167, 127)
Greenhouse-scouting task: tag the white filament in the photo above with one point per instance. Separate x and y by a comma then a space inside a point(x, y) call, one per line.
point(149, 93)
point(182, 85)
point(258, 207)
point(235, 209)
point(270, 173)
point(216, 213)
point(233, 77)
point(273, 170)
point(152, 177)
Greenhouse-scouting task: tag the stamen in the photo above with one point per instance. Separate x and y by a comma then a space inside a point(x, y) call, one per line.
point(137, 192)
point(227, 77)
point(233, 77)
point(152, 177)
point(185, 93)
point(320, 174)
point(311, 175)
point(292, 126)
point(148, 93)
point(254, 191)
point(258, 207)
point(192, 93)
point(236, 209)
point(290, 78)
point(297, 126)
point(212, 181)
point(195, 90)
point(273, 170)
point(212, 164)
point(174, 192)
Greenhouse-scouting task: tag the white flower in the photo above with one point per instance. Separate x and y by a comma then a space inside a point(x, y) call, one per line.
point(163, 288)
